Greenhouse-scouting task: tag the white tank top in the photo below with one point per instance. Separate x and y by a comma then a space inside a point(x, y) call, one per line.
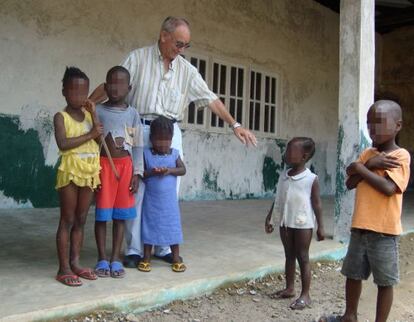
point(293, 206)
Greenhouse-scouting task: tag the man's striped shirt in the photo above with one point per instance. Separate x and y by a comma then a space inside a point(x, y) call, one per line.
point(156, 93)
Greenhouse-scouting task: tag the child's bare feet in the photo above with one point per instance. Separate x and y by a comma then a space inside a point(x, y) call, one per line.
point(348, 319)
point(283, 294)
point(337, 318)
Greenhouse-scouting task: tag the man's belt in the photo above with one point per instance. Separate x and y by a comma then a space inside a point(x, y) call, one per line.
point(149, 121)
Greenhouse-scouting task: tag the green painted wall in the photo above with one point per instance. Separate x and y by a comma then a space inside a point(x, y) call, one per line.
point(23, 173)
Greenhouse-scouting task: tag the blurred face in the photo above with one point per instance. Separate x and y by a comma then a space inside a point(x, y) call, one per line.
point(117, 87)
point(174, 43)
point(76, 92)
point(161, 143)
point(294, 154)
point(382, 126)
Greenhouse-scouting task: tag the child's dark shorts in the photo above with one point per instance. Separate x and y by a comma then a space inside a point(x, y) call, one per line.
point(369, 251)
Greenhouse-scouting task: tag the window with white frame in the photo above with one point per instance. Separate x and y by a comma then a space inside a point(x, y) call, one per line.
point(228, 84)
point(255, 106)
point(196, 116)
point(220, 88)
point(262, 108)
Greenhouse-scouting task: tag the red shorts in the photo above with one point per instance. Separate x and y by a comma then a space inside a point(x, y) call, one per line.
point(115, 200)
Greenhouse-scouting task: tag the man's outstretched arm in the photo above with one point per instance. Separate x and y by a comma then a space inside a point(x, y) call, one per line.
point(98, 95)
point(244, 135)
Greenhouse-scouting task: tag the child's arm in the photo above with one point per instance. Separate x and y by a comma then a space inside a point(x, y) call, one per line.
point(380, 161)
point(268, 225)
point(179, 170)
point(91, 108)
point(64, 143)
point(352, 181)
point(137, 153)
point(382, 184)
point(317, 209)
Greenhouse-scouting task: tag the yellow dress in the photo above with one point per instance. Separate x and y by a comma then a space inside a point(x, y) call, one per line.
point(79, 165)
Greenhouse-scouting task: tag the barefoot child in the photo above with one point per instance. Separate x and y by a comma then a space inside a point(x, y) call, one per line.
point(115, 198)
point(161, 223)
point(296, 205)
point(380, 176)
point(76, 127)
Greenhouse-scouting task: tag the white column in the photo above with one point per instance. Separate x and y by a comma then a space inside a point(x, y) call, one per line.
point(356, 94)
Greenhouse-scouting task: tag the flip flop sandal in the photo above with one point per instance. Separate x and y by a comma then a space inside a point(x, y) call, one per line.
point(117, 270)
point(178, 267)
point(69, 280)
point(102, 268)
point(299, 305)
point(86, 273)
point(144, 267)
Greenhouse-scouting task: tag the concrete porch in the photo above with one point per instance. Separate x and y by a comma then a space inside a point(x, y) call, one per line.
point(224, 242)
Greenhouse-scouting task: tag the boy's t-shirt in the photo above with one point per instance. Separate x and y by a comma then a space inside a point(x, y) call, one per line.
point(374, 210)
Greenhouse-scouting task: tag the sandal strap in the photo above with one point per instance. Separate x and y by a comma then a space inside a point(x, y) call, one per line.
point(102, 265)
point(117, 266)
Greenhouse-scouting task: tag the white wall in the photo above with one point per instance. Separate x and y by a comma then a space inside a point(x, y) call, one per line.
point(295, 39)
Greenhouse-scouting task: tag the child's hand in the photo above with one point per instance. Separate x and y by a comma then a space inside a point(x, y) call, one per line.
point(89, 106)
point(354, 168)
point(97, 130)
point(320, 234)
point(133, 186)
point(159, 171)
point(382, 161)
point(268, 226)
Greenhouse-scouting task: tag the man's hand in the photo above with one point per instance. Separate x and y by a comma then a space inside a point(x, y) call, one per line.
point(382, 161)
point(245, 136)
point(133, 186)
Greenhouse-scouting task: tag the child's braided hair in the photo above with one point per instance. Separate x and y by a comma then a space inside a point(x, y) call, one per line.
point(162, 125)
point(73, 72)
point(308, 145)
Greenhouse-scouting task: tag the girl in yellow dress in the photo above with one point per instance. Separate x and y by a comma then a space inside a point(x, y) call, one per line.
point(76, 127)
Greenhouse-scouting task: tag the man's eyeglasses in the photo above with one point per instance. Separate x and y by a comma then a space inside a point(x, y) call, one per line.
point(180, 44)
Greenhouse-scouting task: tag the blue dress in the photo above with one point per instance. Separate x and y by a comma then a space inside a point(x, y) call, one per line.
point(161, 222)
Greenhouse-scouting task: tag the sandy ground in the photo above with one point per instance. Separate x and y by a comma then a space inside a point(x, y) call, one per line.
point(250, 301)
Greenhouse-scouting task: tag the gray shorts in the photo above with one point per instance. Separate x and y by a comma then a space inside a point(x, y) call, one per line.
point(369, 251)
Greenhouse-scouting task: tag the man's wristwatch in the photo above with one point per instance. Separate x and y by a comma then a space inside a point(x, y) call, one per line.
point(235, 125)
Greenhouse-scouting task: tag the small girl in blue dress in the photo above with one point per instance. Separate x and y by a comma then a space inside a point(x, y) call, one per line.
point(161, 222)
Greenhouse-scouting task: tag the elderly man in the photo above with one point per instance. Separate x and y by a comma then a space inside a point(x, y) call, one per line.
point(164, 83)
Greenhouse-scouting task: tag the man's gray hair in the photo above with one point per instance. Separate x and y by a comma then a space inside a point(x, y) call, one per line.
point(171, 23)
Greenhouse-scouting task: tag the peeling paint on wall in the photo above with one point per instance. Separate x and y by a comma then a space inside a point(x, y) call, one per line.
point(24, 176)
point(210, 180)
point(340, 174)
point(271, 172)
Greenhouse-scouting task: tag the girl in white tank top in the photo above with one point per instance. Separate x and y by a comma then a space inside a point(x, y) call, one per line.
point(296, 209)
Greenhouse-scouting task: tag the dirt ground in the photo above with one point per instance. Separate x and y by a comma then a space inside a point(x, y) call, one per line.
point(250, 301)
